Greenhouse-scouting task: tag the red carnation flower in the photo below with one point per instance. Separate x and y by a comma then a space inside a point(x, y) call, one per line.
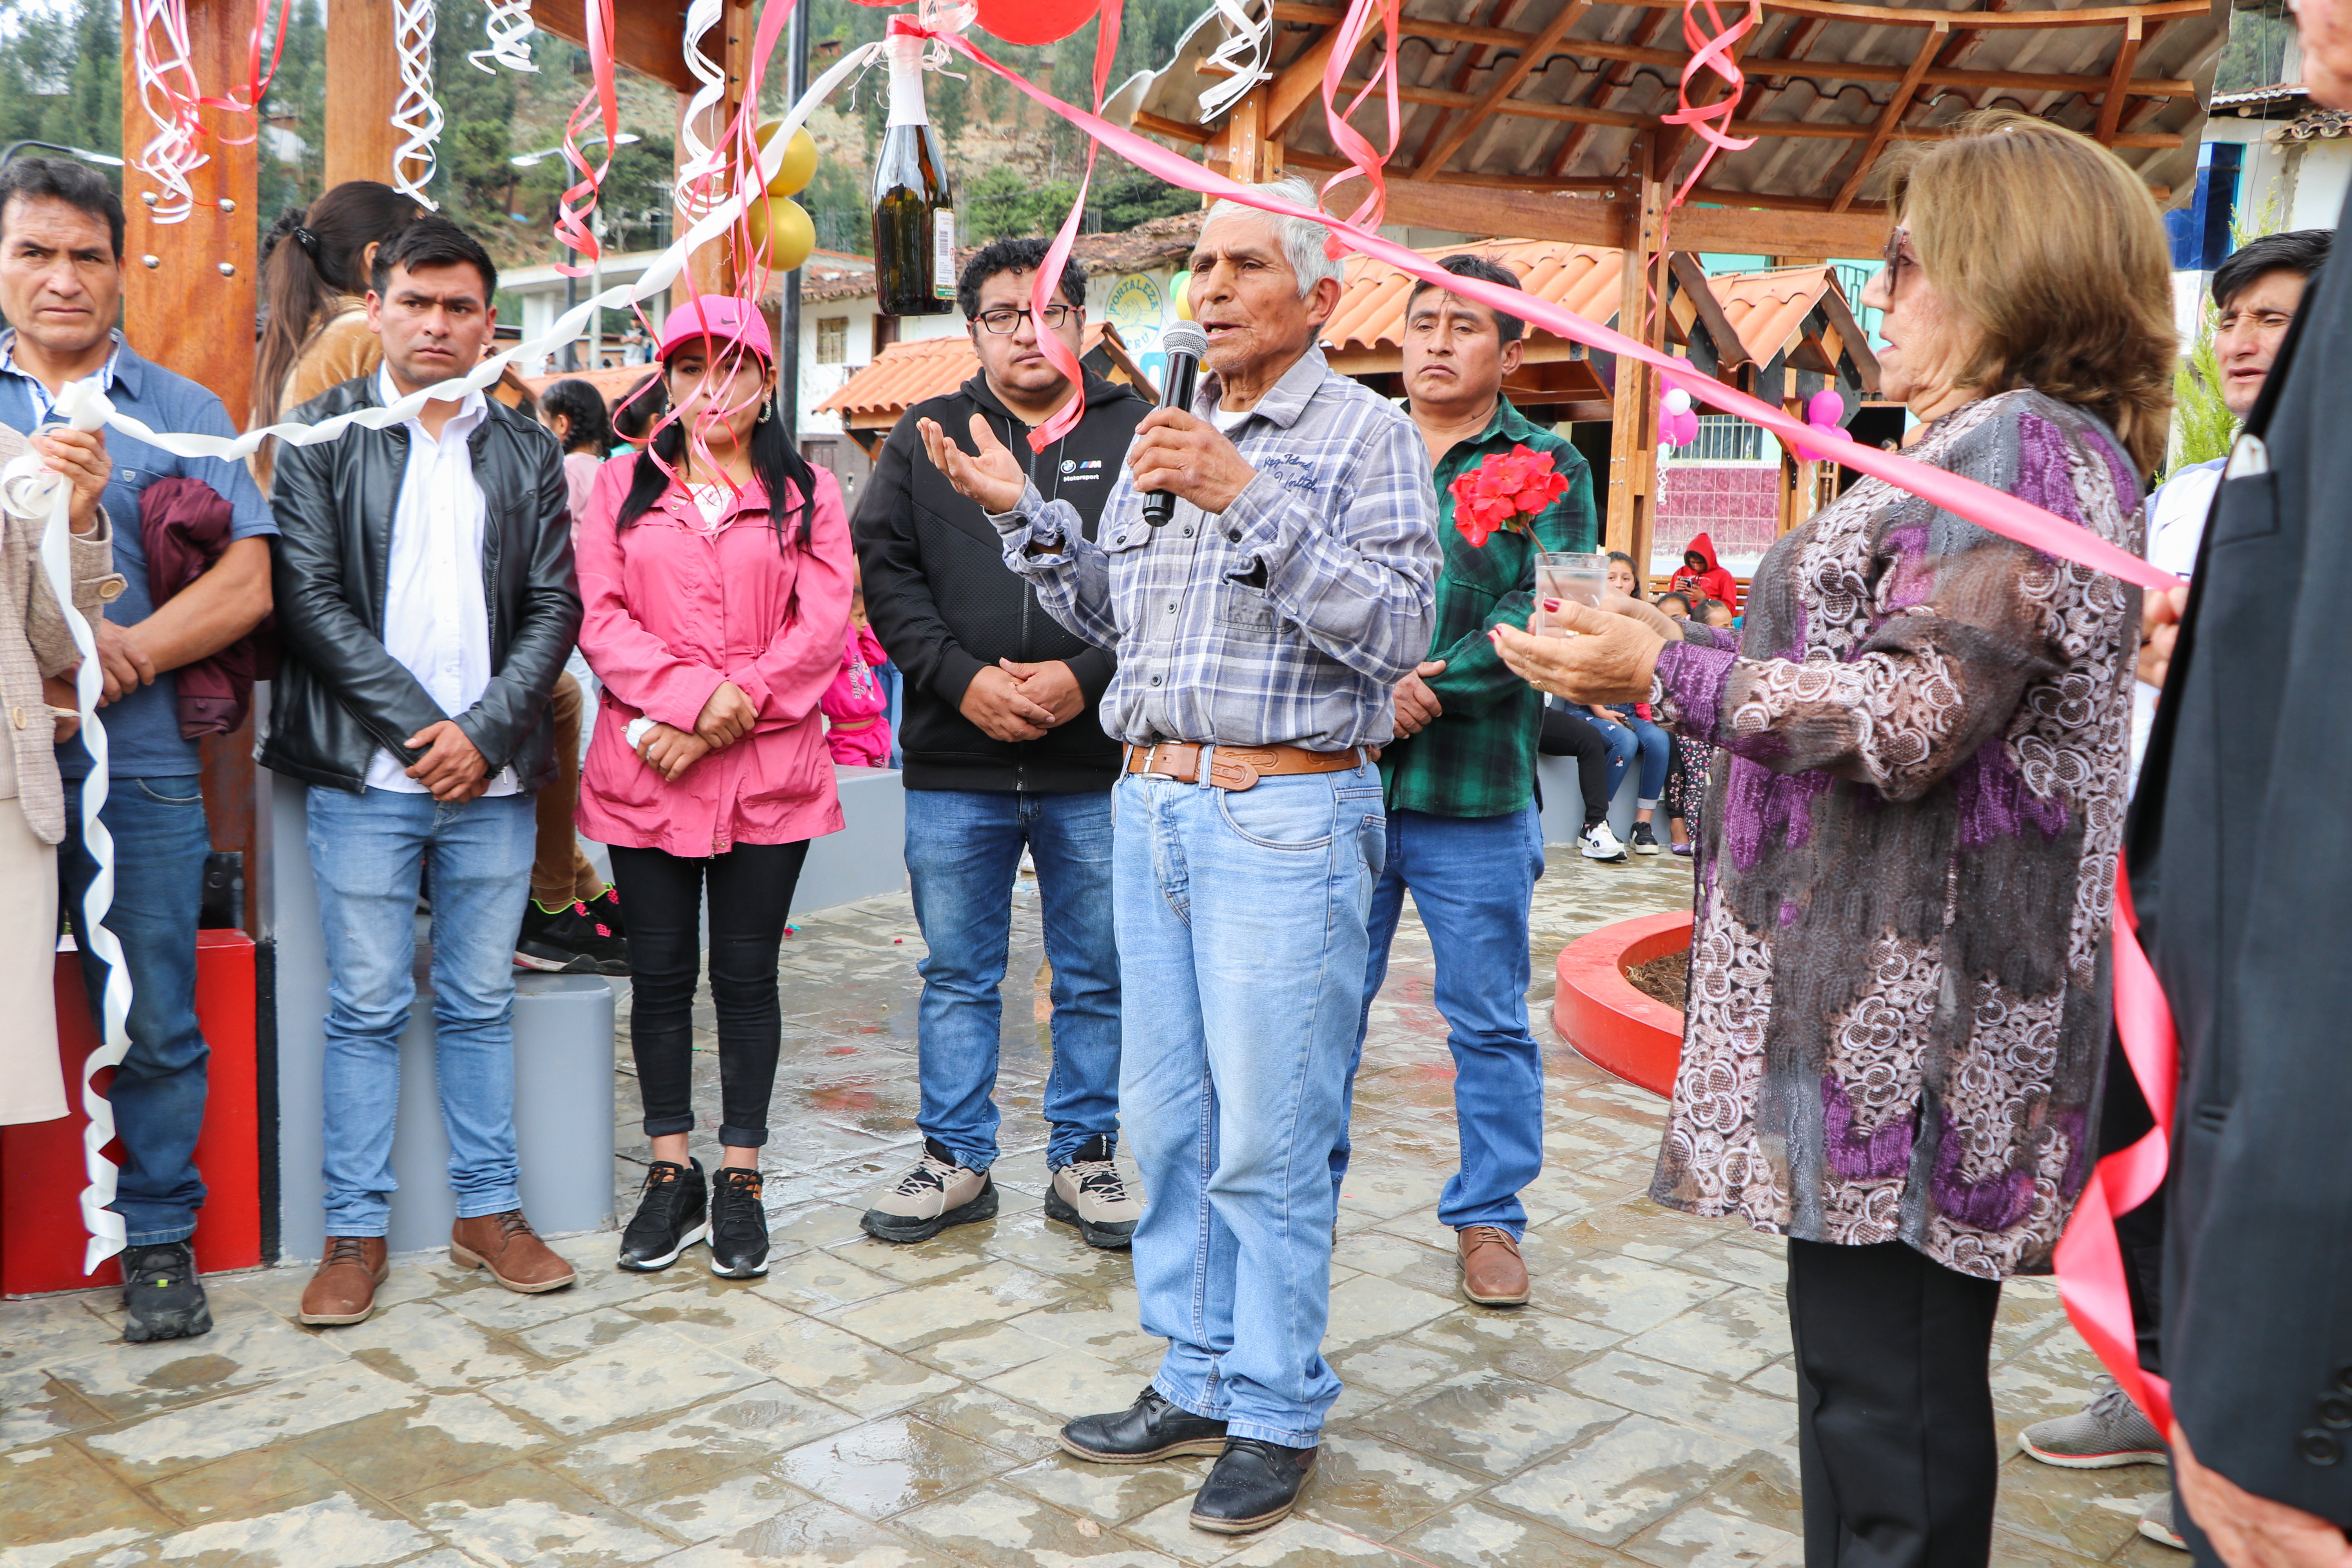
point(1504, 493)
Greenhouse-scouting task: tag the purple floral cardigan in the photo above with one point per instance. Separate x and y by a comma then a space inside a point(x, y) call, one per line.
point(1899, 1002)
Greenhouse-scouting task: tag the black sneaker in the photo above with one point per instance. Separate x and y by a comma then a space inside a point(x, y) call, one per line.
point(605, 909)
point(571, 941)
point(1646, 842)
point(738, 1224)
point(162, 1295)
point(1252, 1485)
point(670, 1216)
point(1151, 1428)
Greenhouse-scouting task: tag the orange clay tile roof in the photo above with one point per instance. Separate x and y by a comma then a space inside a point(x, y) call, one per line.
point(1584, 278)
point(1766, 309)
point(907, 374)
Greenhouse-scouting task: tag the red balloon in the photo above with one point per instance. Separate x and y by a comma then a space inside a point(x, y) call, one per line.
point(1035, 21)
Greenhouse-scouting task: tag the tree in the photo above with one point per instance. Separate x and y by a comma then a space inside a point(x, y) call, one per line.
point(839, 208)
point(296, 106)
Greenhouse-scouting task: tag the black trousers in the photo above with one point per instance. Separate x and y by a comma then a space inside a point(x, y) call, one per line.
point(1894, 1432)
point(750, 894)
point(1567, 734)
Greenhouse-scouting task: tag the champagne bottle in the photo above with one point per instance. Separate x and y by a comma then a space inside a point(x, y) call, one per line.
point(914, 211)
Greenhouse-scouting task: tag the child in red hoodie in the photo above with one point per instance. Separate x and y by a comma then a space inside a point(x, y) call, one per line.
point(1701, 571)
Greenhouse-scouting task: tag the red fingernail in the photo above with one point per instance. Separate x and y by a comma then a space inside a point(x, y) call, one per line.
point(1552, 604)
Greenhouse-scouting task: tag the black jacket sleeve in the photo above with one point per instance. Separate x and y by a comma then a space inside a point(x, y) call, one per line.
point(898, 601)
point(316, 622)
point(549, 622)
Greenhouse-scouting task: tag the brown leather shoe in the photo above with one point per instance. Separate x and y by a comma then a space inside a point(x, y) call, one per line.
point(344, 1290)
point(1492, 1272)
point(506, 1245)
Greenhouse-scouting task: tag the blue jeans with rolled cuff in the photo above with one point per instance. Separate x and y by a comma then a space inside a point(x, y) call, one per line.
point(1243, 934)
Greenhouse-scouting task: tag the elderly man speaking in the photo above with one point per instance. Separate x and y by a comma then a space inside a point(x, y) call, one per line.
point(1259, 635)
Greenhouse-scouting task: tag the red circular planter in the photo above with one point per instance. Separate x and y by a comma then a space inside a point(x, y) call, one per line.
point(1612, 1025)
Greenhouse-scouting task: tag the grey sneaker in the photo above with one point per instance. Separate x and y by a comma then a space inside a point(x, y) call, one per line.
point(1089, 1193)
point(2105, 1433)
point(2155, 1522)
point(938, 1193)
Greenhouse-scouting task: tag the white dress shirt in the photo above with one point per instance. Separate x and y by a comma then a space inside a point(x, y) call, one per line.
point(437, 618)
point(2176, 527)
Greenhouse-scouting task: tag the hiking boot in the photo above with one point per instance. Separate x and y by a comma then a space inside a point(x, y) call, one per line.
point(938, 1193)
point(1645, 840)
point(506, 1245)
point(2105, 1433)
point(1493, 1273)
point(1150, 1428)
point(1089, 1193)
point(2155, 1522)
point(161, 1296)
point(670, 1216)
point(343, 1290)
point(569, 941)
point(1597, 843)
point(1252, 1485)
point(738, 1224)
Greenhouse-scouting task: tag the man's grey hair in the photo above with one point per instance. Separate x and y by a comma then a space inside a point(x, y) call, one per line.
point(1302, 238)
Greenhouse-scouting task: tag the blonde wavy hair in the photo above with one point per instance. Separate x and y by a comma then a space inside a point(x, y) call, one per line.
point(2052, 252)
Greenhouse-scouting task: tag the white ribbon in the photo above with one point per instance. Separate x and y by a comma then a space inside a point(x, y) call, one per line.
point(29, 490)
point(702, 158)
point(1244, 53)
point(417, 114)
point(167, 90)
point(508, 28)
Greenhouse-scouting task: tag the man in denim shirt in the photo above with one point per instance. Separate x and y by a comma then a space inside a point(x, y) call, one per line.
point(1259, 635)
point(61, 289)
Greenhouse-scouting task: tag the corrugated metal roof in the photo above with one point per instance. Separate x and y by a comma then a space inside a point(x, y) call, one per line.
point(1566, 120)
point(1585, 278)
point(907, 374)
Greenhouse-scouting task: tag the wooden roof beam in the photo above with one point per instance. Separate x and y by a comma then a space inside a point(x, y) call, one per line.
point(1506, 82)
point(1474, 55)
point(648, 39)
point(1151, 124)
point(1888, 16)
point(2110, 107)
point(1943, 73)
point(1890, 117)
point(1298, 84)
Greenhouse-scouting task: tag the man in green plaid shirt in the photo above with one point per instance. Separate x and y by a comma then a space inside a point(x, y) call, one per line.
point(1460, 779)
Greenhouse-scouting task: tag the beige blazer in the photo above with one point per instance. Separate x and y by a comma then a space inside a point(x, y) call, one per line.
point(36, 643)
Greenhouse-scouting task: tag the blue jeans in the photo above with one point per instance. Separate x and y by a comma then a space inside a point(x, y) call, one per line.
point(1472, 879)
point(160, 844)
point(963, 852)
point(1629, 733)
point(1242, 928)
point(366, 851)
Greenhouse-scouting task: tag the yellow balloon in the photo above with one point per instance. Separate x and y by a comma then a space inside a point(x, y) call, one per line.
point(783, 227)
point(799, 166)
point(1180, 289)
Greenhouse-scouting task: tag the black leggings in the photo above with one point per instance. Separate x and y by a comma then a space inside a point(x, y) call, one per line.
point(1567, 734)
point(750, 894)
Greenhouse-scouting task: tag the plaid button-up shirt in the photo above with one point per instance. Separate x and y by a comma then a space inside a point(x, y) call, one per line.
point(1287, 618)
point(1477, 758)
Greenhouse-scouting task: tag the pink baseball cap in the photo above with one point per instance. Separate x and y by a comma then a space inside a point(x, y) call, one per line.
point(724, 320)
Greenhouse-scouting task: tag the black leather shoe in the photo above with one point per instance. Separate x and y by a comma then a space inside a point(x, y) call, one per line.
point(162, 1297)
point(1151, 1428)
point(1252, 1485)
point(670, 1216)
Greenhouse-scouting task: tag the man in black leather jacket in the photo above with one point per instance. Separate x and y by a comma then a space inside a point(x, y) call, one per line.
point(427, 605)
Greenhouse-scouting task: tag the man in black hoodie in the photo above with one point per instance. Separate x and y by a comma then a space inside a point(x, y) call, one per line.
point(1003, 753)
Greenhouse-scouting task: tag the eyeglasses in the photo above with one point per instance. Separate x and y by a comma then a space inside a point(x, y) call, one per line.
point(1003, 320)
point(1898, 255)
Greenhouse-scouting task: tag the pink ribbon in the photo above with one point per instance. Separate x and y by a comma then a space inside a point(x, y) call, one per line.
point(1711, 54)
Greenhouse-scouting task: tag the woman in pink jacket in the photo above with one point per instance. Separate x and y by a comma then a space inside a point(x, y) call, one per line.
point(716, 572)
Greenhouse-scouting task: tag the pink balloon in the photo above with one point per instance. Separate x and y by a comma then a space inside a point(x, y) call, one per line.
point(1825, 408)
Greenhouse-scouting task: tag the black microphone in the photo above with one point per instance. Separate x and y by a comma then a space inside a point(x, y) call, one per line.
point(1185, 343)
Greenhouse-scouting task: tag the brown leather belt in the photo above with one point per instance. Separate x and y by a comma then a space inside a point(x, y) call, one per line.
point(1239, 767)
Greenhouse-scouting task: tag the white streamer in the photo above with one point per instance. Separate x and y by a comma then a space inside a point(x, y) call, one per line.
point(417, 115)
point(509, 27)
point(1244, 52)
point(694, 181)
point(173, 153)
point(29, 489)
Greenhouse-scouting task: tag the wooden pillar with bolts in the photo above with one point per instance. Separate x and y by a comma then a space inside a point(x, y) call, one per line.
point(1241, 145)
point(712, 267)
point(363, 91)
point(188, 300)
point(1633, 428)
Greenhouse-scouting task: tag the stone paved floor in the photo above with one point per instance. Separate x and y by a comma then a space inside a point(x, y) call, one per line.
point(894, 1408)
